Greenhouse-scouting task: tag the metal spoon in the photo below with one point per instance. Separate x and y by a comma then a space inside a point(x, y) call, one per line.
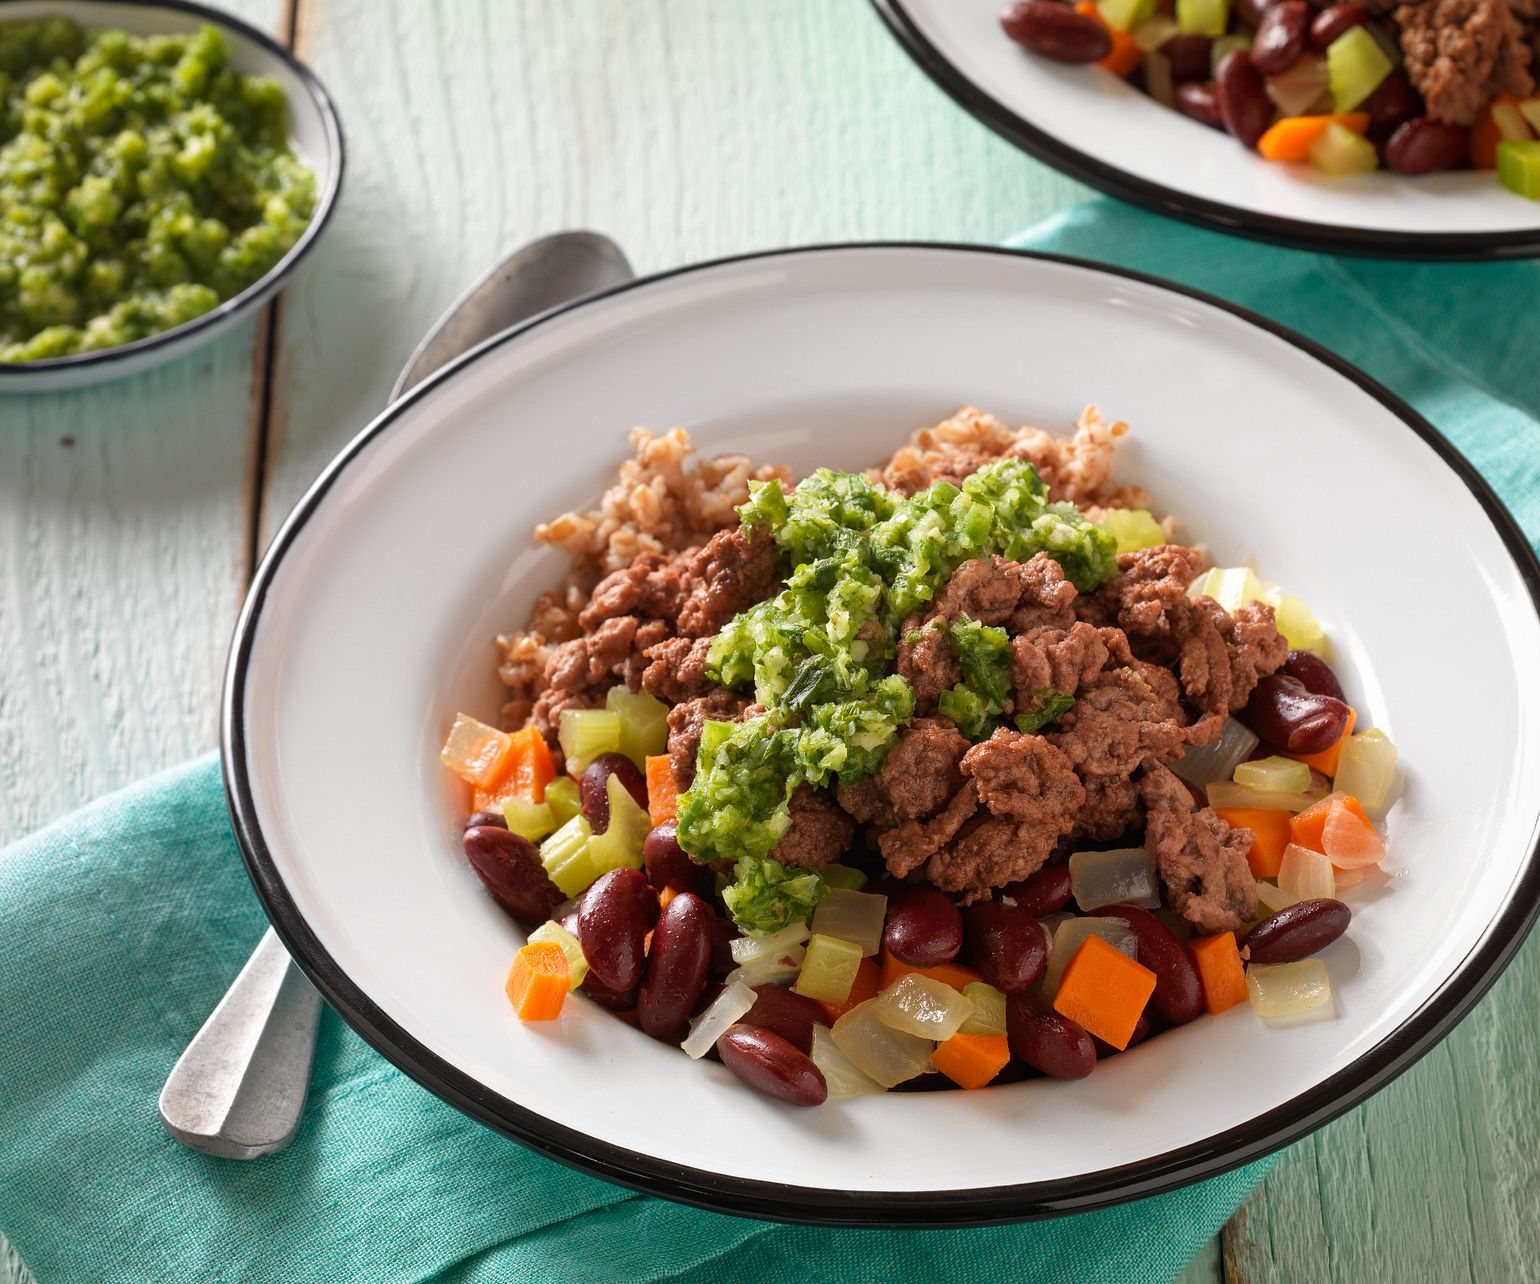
point(239, 1089)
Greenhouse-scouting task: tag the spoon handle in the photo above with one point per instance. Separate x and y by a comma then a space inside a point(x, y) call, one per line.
point(239, 1089)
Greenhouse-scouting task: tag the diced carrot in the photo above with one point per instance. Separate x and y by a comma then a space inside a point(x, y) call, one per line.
point(1219, 970)
point(530, 767)
point(953, 974)
point(1307, 828)
point(866, 985)
point(971, 1060)
point(1125, 53)
point(1289, 139)
point(662, 792)
point(665, 896)
point(1105, 991)
point(538, 981)
point(1326, 761)
point(1270, 830)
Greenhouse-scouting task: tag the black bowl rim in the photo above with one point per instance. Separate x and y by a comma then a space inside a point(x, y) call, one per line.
point(1300, 234)
point(263, 286)
point(789, 1203)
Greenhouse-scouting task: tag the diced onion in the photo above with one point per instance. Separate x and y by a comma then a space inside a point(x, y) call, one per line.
point(1151, 34)
point(988, 1015)
point(1122, 877)
point(879, 1051)
point(1274, 898)
point(828, 969)
point(1232, 587)
point(1306, 875)
point(1291, 993)
point(771, 969)
point(923, 1006)
point(843, 1076)
point(1274, 775)
point(729, 1006)
point(852, 916)
point(1226, 793)
point(1367, 769)
point(474, 751)
point(1071, 935)
point(748, 948)
point(1300, 87)
point(1200, 764)
point(1294, 619)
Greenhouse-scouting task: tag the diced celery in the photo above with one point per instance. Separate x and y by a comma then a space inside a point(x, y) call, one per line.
point(852, 916)
point(840, 1073)
point(1274, 775)
point(706, 1028)
point(828, 969)
point(1306, 875)
point(844, 876)
point(1291, 993)
point(748, 947)
point(924, 1006)
point(988, 1015)
point(529, 820)
point(1199, 764)
point(1125, 15)
point(1367, 769)
point(1273, 898)
point(474, 751)
point(1133, 528)
point(643, 723)
point(1154, 33)
point(1518, 167)
point(562, 797)
point(1070, 936)
point(1337, 151)
point(556, 934)
point(1530, 110)
point(1125, 876)
point(1202, 17)
point(780, 968)
point(1226, 793)
point(565, 857)
point(1225, 45)
point(1300, 629)
point(586, 733)
point(1355, 65)
point(1231, 586)
point(621, 843)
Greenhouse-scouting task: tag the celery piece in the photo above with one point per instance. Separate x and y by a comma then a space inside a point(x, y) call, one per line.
point(1294, 620)
point(1273, 898)
point(586, 733)
point(1224, 45)
point(1226, 793)
point(621, 843)
point(1202, 17)
point(565, 857)
point(643, 723)
point(528, 820)
point(1355, 66)
point(828, 969)
point(1152, 35)
point(1338, 151)
point(988, 1015)
point(1518, 167)
point(844, 876)
point(1274, 775)
point(1530, 110)
point(1125, 15)
point(1231, 586)
point(562, 797)
point(556, 934)
point(1133, 528)
point(1291, 993)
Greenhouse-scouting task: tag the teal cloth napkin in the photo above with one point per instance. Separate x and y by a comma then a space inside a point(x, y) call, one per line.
point(121, 925)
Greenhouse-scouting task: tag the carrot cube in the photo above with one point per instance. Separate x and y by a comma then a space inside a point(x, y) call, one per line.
point(1309, 827)
point(538, 981)
point(971, 1060)
point(1220, 971)
point(1270, 835)
point(662, 792)
point(1104, 991)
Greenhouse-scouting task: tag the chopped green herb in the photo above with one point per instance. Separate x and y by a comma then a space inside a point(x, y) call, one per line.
point(1051, 706)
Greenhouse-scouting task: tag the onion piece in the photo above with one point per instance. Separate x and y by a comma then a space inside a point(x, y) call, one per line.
point(1071, 935)
point(852, 916)
point(879, 1051)
point(1154, 32)
point(772, 969)
point(1125, 876)
point(923, 1006)
point(1200, 764)
point(1273, 898)
point(746, 949)
point(1306, 875)
point(1367, 769)
point(1350, 843)
point(712, 1022)
point(1295, 90)
point(1231, 586)
point(844, 1077)
point(988, 1015)
point(1291, 993)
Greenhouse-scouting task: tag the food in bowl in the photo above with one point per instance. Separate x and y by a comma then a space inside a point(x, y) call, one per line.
point(940, 774)
point(1417, 87)
point(143, 181)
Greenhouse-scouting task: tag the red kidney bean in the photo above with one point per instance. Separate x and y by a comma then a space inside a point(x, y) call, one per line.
point(593, 788)
point(1393, 104)
point(1244, 106)
point(1281, 37)
point(512, 872)
point(1141, 1032)
point(764, 1060)
point(1047, 1041)
point(1296, 931)
point(477, 819)
point(669, 865)
point(1055, 31)
point(1178, 994)
point(1045, 892)
point(1199, 101)
point(1253, 11)
point(786, 1013)
point(1006, 945)
point(924, 928)
point(1314, 674)
point(1332, 22)
point(1191, 57)
point(1424, 146)
point(617, 913)
point(723, 934)
point(614, 1000)
point(1289, 716)
point(931, 1081)
point(676, 967)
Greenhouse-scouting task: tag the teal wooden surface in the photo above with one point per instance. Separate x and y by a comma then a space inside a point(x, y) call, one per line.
point(686, 129)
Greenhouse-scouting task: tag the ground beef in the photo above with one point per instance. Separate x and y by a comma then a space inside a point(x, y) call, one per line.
point(927, 663)
point(649, 587)
point(1139, 599)
point(684, 727)
point(1060, 660)
point(986, 589)
point(911, 844)
point(1201, 859)
point(820, 832)
point(1461, 53)
point(676, 670)
point(918, 777)
point(1119, 719)
point(1047, 598)
point(730, 574)
point(1111, 808)
point(1221, 656)
point(579, 672)
point(1025, 777)
point(1256, 649)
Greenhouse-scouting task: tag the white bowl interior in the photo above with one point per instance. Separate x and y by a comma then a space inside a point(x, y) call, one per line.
point(1110, 121)
point(377, 627)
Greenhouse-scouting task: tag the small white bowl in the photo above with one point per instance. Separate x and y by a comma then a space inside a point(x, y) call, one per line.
point(1102, 130)
point(314, 133)
point(371, 621)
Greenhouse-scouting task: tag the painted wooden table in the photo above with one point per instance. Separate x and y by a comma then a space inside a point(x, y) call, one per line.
point(131, 515)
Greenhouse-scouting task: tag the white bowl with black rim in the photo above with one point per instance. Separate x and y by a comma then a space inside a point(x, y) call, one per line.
point(314, 134)
point(370, 623)
point(1098, 128)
